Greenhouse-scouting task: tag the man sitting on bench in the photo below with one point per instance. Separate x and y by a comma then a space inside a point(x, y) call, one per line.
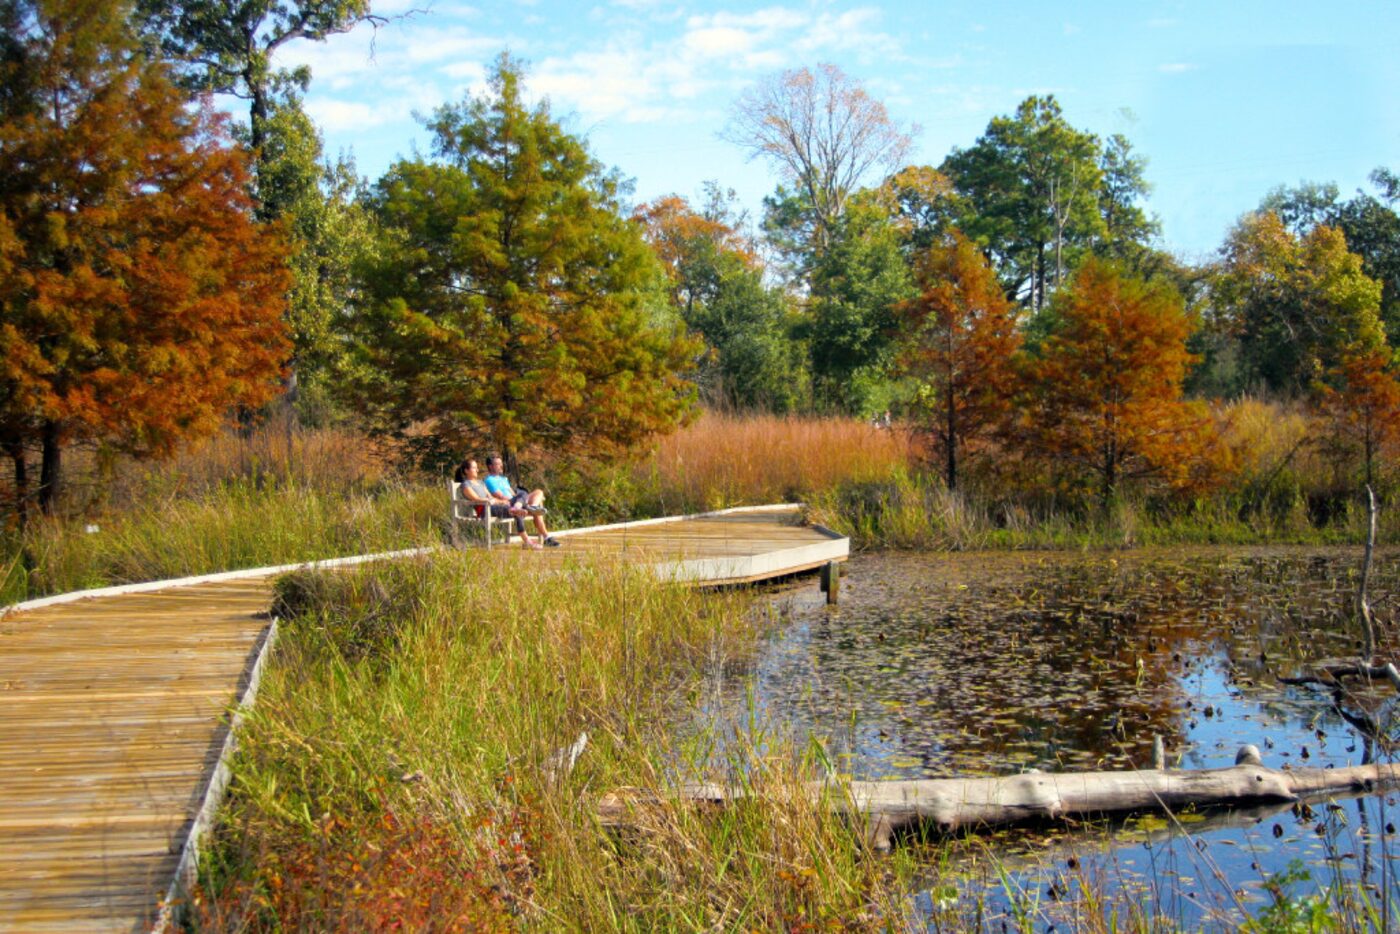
point(473, 489)
point(531, 501)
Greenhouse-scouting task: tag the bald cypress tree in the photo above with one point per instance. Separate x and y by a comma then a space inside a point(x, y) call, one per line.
point(139, 300)
point(511, 304)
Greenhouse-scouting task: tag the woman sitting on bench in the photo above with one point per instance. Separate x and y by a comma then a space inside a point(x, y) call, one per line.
point(472, 488)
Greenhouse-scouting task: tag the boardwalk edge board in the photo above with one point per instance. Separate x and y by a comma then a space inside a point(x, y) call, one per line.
point(215, 578)
point(172, 906)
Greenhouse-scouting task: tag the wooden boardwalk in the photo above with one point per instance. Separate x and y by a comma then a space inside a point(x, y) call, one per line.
point(113, 710)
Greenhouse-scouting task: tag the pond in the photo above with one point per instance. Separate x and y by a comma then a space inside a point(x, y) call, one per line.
point(938, 665)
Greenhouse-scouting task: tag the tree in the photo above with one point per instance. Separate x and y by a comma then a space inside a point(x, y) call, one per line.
point(328, 231)
point(1028, 192)
point(510, 304)
point(1106, 386)
point(916, 197)
point(824, 132)
point(960, 341)
point(1368, 221)
point(227, 46)
point(1363, 409)
point(717, 288)
point(1294, 304)
point(140, 299)
point(850, 323)
point(1127, 228)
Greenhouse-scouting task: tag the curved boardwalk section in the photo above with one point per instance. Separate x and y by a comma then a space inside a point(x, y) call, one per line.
point(113, 709)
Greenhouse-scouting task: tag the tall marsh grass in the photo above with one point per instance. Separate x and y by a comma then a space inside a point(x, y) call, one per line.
point(411, 714)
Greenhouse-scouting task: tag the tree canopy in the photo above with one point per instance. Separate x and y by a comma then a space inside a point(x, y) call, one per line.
point(141, 300)
point(510, 304)
point(1027, 191)
point(824, 132)
point(1107, 384)
point(1293, 303)
point(960, 340)
point(717, 288)
point(227, 46)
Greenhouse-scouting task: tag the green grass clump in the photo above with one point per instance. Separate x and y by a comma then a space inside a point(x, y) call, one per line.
point(409, 718)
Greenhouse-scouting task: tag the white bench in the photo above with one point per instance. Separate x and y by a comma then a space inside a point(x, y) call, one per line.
point(469, 513)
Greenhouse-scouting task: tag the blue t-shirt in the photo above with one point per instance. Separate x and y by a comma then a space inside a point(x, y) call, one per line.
point(499, 485)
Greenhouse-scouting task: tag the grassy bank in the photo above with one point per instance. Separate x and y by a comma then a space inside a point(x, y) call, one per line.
point(395, 769)
point(907, 510)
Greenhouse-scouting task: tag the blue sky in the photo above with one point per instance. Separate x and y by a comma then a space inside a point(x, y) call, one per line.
point(1226, 99)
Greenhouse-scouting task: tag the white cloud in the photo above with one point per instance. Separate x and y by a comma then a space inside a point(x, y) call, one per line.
point(717, 41)
point(336, 116)
point(1176, 68)
point(634, 80)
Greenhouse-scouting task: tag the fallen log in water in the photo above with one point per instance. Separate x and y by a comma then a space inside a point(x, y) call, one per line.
point(950, 805)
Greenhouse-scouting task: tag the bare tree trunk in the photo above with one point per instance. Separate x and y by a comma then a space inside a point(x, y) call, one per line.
point(50, 468)
point(952, 443)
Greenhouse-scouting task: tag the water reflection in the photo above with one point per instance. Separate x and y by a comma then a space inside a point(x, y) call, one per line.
point(940, 665)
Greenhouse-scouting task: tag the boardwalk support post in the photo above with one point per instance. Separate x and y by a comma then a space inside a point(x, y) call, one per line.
point(831, 582)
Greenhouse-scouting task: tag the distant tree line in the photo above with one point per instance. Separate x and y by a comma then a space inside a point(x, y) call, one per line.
point(164, 268)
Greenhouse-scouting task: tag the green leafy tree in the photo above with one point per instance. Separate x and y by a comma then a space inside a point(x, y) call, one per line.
point(917, 198)
point(1369, 222)
point(328, 230)
point(717, 288)
point(1294, 304)
point(1127, 228)
point(510, 304)
point(1028, 191)
point(851, 321)
point(227, 46)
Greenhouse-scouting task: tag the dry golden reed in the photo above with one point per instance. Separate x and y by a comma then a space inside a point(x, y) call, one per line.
point(729, 459)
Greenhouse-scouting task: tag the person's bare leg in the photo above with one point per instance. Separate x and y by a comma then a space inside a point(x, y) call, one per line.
point(539, 526)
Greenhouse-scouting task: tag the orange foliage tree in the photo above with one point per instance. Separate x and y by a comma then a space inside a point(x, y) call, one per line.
point(1106, 385)
point(140, 299)
point(961, 341)
point(677, 232)
point(1364, 409)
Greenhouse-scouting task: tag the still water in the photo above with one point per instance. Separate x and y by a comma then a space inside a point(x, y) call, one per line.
point(938, 665)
